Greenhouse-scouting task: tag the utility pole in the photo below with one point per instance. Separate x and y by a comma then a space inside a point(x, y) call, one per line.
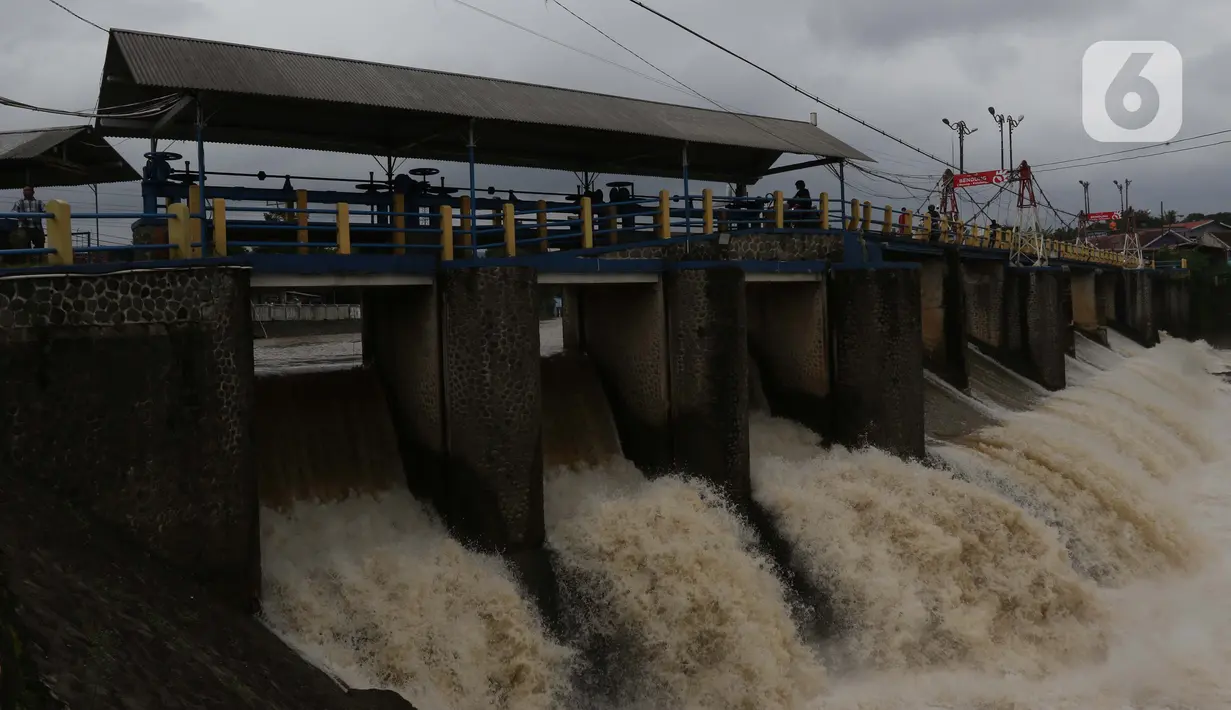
point(1121, 189)
point(999, 119)
point(1085, 189)
point(962, 131)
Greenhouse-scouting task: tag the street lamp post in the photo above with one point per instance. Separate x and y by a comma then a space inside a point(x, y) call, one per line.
point(1013, 123)
point(962, 131)
point(999, 119)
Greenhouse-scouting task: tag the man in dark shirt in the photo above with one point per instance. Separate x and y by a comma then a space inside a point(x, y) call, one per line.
point(801, 201)
point(934, 233)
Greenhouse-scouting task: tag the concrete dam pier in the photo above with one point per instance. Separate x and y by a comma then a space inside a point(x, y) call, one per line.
point(841, 349)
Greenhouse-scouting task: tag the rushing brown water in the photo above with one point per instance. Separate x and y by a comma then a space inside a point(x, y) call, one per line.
point(1073, 554)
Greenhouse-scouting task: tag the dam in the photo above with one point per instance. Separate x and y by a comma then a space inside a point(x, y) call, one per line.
point(805, 460)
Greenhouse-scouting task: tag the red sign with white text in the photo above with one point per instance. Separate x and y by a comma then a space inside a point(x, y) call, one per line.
point(987, 177)
point(1102, 216)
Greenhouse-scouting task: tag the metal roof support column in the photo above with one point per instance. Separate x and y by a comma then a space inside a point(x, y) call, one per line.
point(842, 190)
point(474, 241)
point(687, 195)
point(201, 177)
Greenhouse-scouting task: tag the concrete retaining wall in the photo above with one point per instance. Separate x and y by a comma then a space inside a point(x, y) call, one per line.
point(1045, 319)
point(1176, 316)
point(624, 328)
point(130, 395)
point(877, 350)
point(1087, 316)
point(985, 297)
point(788, 338)
point(1135, 306)
point(402, 343)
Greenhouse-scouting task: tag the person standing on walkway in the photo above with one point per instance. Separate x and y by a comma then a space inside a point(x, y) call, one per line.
point(29, 231)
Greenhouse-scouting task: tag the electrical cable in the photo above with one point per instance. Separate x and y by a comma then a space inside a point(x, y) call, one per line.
point(79, 17)
point(788, 84)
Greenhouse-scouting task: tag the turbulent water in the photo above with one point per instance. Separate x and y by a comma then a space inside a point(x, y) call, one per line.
point(1073, 551)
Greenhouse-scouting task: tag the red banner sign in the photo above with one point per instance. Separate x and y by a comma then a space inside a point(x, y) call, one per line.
point(988, 177)
point(1102, 216)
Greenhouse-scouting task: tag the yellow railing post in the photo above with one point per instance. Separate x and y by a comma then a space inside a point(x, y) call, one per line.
point(824, 207)
point(707, 211)
point(887, 227)
point(908, 224)
point(220, 226)
point(60, 233)
point(541, 220)
point(343, 228)
point(399, 222)
point(867, 216)
point(1183, 263)
point(177, 230)
point(779, 210)
point(509, 221)
point(853, 222)
point(587, 223)
point(960, 237)
point(301, 218)
point(664, 214)
point(927, 224)
point(194, 208)
point(611, 224)
point(446, 233)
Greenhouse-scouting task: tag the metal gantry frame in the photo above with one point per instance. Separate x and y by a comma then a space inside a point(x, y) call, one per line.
point(1028, 247)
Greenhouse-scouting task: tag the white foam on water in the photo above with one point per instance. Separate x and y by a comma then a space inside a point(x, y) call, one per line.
point(373, 590)
point(672, 567)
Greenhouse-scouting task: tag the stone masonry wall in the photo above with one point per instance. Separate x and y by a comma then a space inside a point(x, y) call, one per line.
point(707, 326)
point(129, 394)
point(493, 493)
point(874, 317)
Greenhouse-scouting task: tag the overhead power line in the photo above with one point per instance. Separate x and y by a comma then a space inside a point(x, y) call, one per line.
point(145, 109)
point(788, 84)
point(1134, 157)
point(79, 17)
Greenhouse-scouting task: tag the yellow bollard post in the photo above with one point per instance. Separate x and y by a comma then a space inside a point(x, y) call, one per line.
point(301, 218)
point(343, 228)
point(1183, 263)
point(707, 211)
point(779, 210)
point(510, 229)
point(887, 225)
point(59, 233)
point(908, 224)
point(399, 222)
point(446, 233)
point(220, 226)
point(867, 216)
point(824, 208)
point(927, 225)
point(177, 230)
point(960, 237)
point(944, 228)
point(853, 223)
point(587, 223)
point(541, 221)
point(664, 214)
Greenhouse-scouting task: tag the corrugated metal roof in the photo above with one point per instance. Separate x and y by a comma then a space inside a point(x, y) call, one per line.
point(179, 63)
point(60, 156)
point(25, 145)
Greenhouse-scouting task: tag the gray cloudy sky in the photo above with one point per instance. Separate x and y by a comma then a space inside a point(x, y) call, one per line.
point(900, 64)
